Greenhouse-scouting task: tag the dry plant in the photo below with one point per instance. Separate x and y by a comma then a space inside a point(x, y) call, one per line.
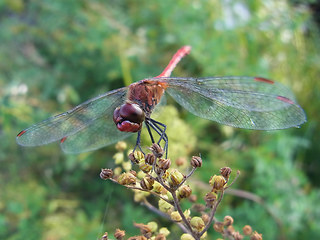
point(157, 177)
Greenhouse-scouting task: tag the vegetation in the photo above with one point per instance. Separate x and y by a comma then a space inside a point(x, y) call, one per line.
point(57, 54)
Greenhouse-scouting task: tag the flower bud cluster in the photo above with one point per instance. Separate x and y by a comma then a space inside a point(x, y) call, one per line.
point(156, 177)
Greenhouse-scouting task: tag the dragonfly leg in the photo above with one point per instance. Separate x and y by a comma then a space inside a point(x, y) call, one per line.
point(161, 132)
point(138, 143)
point(149, 131)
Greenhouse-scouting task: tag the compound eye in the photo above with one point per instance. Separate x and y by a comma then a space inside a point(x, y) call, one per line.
point(132, 112)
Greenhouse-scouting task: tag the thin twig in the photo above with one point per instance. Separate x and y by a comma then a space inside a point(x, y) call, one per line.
point(233, 181)
point(212, 213)
point(157, 211)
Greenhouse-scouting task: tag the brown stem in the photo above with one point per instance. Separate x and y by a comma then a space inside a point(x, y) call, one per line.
point(157, 211)
point(212, 213)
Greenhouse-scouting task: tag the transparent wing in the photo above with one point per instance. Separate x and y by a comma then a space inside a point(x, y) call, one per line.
point(244, 102)
point(62, 126)
point(100, 133)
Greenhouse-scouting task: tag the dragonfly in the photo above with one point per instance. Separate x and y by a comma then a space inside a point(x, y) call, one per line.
point(238, 101)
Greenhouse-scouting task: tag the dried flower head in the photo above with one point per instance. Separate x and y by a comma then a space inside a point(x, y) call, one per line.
point(256, 236)
point(196, 161)
point(217, 182)
point(247, 230)
point(164, 164)
point(144, 229)
point(230, 230)
point(164, 231)
point(119, 234)
point(133, 159)
point(158, 188)
point(153, 226)
point(156, 150)
point(184, 191)
point(106, 173)
point(228, 220)
point(210, 199)
point(237, 236)
point(218, 227)
point(144, 166)
point(175, 178)
point(160, 236)
point(186, 236)
point(175, 216)
point(147, 183)
point(205, 217)
point(150, 159)
point(165, 206)
point(225, 172)
point(127, 179)
point(197, 224)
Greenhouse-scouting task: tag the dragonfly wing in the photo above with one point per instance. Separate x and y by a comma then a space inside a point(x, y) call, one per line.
point(66, 124)
point(100, 133)
point(244, 102)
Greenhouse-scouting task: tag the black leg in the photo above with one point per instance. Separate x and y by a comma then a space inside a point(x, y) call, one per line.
point(138, 142)
point(161, 132)
point(149, 130)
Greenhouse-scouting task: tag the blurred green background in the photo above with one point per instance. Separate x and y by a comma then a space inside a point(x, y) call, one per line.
point(57, 54)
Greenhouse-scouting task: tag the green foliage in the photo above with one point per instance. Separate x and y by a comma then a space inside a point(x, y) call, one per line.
point(56, 54)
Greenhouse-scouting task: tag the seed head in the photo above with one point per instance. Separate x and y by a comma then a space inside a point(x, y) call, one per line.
point(153, 226)
point(175, 216)
point(175, 178)
point(196, 161)
point(186, 236)
point(228, 220)
point(150, 159)
point(237, 236)
point(217, 182)
point(218, 227)
point(119, 234)
point(225, 172)
point(164, 231)
point(184, 191)
point(197, 224)
point(165, 206)
point(147, 183)
point(247, 230)
point(133, 159)
point(210, 198)
point(158, 188)
point(256, 236)
point(164, 164)
point(160, 236)
point(144, 229)
point(144, 166)
point(106, 173)
point(205, 217)
point(156, 150)
point(127, 179)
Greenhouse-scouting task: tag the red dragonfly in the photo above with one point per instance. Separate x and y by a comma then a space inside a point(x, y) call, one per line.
point(243, 102)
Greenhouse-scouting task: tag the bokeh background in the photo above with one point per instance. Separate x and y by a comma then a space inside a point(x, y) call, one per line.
point(57, 54)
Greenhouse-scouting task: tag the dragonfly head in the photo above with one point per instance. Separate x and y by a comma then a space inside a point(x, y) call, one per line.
point(128, 117)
